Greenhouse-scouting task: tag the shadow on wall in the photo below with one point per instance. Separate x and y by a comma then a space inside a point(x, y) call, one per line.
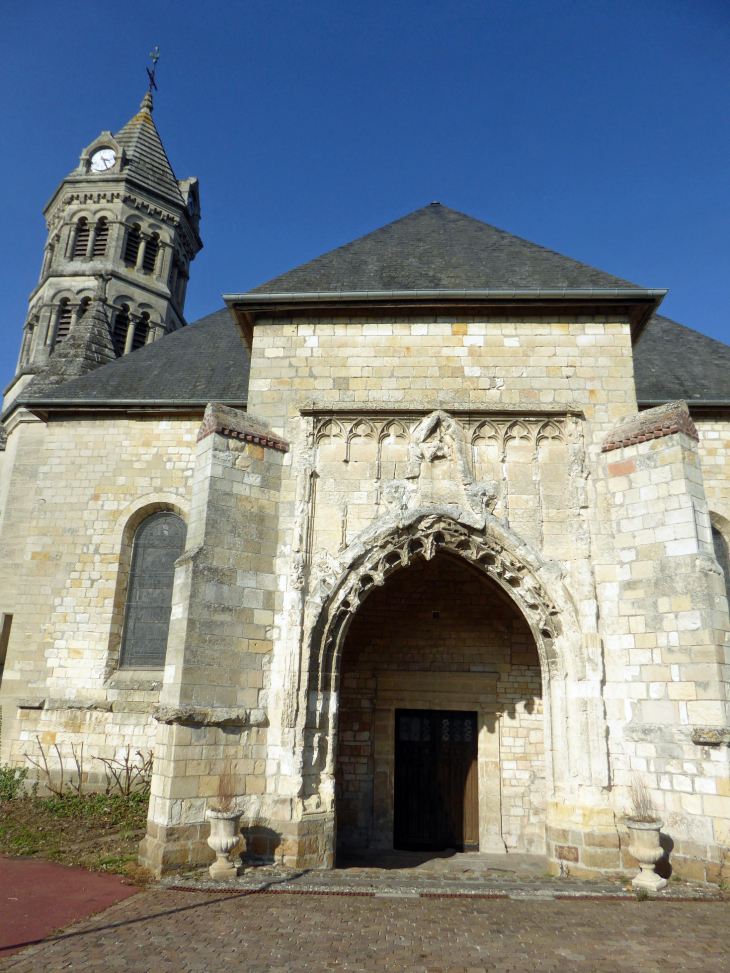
point(663, 867)
point(261, 843)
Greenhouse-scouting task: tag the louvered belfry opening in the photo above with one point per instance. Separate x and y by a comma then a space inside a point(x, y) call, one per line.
point(64, 321)
point(81, 243)
point(151, 250)
point(141, 331)
point(120, 329)
point(158, 543)
point(101, 238)
point(132, 245)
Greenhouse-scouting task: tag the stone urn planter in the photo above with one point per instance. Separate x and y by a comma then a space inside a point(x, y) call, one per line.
point(647, 851)
point(225, 838)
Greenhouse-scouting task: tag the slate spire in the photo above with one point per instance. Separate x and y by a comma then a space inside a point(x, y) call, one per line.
point(147, 162)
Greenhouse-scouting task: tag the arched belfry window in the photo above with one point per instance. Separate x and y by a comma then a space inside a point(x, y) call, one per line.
point(120, 329)
point(81, 243)
point(102, 235)
point(141, 331)
point(149, 260)
point(65, 313)
point(721, 553)
point(131, 247)
point(158, 543)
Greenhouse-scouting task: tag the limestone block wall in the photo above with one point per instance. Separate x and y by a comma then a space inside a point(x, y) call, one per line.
point(431, 362)
point(76, 491)
point(665, 625)
point(213, 706)
point(714, 451)
point(476, 631)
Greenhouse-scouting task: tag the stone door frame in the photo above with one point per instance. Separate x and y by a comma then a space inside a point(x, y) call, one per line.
point(474, 691)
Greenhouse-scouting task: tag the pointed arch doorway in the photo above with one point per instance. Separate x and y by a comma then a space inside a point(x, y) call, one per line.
point(440, 651)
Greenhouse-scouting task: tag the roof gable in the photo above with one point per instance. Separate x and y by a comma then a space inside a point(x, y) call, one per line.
point(439, 248)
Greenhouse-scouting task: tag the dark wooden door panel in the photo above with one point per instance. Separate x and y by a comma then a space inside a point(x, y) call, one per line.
point(436, 793)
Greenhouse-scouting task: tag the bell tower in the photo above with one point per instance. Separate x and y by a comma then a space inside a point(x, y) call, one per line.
point(122, 232)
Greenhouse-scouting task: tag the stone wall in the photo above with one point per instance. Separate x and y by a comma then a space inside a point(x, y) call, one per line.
point(476, 630)
point(714, 451)
point(76, 490)
point(665, 622)
point(213, 707)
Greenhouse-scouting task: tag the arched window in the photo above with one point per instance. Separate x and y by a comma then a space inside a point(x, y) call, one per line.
point(158, 543)
point(150, 254)
point(102, 235)
point(65, 314)
point(141, 330)
point(134, 241)
point(721, 553)
point(121, 327)
point(81, 243)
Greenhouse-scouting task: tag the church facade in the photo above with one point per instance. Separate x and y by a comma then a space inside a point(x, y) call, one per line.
point(422, 543)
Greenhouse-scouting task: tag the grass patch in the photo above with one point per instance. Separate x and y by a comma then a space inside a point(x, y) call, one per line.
point(100, 832)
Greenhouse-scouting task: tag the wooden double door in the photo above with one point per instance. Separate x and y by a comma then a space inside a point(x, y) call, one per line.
point(436, 780)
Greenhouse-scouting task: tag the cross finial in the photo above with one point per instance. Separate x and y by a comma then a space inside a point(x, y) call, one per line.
point(155, 55)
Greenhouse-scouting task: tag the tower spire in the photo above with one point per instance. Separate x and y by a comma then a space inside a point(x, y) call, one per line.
point(147, 100)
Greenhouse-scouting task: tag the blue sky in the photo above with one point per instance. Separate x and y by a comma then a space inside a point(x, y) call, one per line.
point(596, 128)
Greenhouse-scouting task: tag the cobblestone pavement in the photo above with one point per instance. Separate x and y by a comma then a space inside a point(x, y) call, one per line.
point(163, 929)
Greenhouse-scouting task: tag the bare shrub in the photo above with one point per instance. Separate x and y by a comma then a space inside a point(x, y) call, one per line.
point(642, 806)
point(129, 773)
point(58, 786)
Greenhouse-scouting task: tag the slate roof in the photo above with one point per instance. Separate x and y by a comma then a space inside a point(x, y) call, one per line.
point(434, 247)
point(206, 361)
point(439, 248)
point(147, 161)
point(675, 362)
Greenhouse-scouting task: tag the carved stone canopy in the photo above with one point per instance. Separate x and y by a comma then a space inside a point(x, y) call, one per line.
point(394, 541)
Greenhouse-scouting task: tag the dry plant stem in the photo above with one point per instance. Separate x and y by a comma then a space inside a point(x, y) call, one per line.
point(42, 765)
point(126, 774)
point(79, 761)
point(642, 806)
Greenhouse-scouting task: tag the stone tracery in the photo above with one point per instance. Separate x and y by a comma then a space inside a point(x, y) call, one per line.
point(392, 544)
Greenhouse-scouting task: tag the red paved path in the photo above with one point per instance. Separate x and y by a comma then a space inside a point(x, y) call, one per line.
point(37, 897)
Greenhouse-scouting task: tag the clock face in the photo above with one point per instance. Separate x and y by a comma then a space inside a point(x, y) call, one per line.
point(103, 159)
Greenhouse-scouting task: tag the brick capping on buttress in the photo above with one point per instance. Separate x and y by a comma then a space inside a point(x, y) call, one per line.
point(665, 420)
point(221, 419)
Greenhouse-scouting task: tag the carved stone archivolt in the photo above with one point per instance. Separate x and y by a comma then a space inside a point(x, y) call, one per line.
point(338, 586)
